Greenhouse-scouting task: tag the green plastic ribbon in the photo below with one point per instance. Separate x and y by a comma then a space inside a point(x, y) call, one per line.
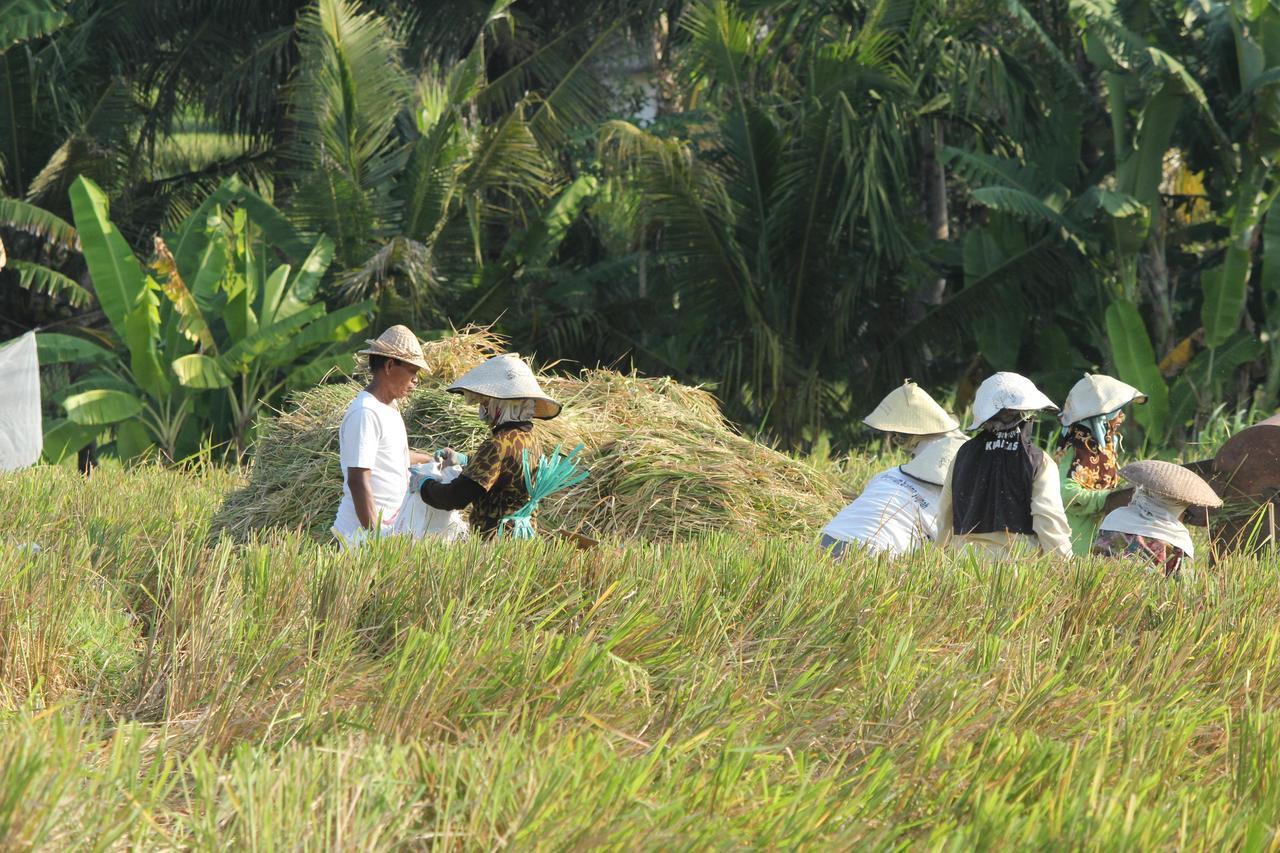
point(554, 474)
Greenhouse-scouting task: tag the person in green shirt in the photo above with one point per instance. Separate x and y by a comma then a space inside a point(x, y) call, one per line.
point(1088, 451)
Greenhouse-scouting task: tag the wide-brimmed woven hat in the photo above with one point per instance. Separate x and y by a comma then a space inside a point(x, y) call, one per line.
point(400, 343)
point(934, 460)
point(507, 377)
point(1172, 482)
point(1006, 390)
point(909, 409)
point(1095, 395)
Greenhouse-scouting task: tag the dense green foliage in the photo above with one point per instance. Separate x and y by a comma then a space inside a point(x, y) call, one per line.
point(192, 358)
point(159, 689)
point(797, 201)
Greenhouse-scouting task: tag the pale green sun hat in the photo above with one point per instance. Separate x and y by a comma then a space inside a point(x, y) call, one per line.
point(910, 410)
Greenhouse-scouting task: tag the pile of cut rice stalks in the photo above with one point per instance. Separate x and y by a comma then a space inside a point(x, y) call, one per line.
point(664, 463)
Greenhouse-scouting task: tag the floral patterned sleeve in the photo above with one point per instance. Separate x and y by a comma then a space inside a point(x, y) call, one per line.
point(485, 465)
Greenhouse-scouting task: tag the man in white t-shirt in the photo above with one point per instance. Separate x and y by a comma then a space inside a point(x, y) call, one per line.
point(373, 447)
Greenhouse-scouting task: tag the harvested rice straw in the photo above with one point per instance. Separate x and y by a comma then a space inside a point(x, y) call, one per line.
point(664, 463)
point(452, 356)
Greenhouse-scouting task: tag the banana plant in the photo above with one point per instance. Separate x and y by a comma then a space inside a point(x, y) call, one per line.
point(1118, 218)
point(218, 325)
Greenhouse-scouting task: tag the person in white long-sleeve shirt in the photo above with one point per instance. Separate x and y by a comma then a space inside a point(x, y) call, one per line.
point(897, 510)
point(1003, 493)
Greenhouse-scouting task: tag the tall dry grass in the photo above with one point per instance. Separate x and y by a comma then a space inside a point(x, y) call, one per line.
point(161, 689)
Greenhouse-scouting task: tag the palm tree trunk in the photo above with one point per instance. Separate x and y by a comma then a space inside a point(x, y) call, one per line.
point(666, 90)
point(1155, 275)
point(934, 191)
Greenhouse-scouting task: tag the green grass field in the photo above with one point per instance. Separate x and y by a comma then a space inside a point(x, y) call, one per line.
point(161, 690)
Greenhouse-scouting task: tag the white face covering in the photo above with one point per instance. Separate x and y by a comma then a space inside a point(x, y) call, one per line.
point(1152, 516)
point(497, 412)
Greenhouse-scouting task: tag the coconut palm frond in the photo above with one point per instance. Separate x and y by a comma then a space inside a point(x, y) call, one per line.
point(559, 77)
point(30, 19)
point(1032, 278)
point(506, 162)
point(689, 200)
point(42, 279)
point(349, 92)
point(402, 264)
point(26, 217)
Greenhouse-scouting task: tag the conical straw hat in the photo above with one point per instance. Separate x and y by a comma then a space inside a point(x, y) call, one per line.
point(507, 377)
point(400, 343)
point(1172, 482)
point(934, 460)
point(910, 410)
point(1095, 395)
point(1007, 390)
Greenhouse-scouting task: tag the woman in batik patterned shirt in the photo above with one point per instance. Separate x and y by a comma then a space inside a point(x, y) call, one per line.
point(492, 483)
point(1088, 449)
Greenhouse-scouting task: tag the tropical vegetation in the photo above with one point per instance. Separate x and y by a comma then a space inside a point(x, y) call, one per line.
point(795, 202)
point(197, 348)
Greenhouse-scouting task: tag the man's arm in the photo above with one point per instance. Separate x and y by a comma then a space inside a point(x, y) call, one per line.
point(417, 457)
point(360, 480)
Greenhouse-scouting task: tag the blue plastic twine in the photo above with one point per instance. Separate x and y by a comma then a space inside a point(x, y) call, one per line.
point(558, 472)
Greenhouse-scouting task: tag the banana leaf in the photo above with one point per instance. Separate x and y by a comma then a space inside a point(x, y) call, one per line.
point(1135, 361)
point(313, 372)
point(63, 438)
point(118, 280)
point(191, 242)
point(56, 348)
point(1225, 289)
point(133, 441)
point(246, 350)
point(101, 407)
point(142, 335)
point(1205, 373)
point(200, 371)
point(334, 327)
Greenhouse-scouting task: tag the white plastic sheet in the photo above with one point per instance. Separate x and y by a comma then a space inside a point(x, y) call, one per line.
point(416, 519)
point(21, 436)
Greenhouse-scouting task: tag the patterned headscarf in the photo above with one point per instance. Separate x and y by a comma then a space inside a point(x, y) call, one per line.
point(1096, 442)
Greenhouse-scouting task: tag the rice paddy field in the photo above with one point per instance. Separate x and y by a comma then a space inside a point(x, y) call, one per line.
point(162, 688)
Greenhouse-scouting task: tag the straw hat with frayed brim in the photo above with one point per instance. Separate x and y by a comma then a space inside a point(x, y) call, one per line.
point(1095, 395)
point(1172, 482)
point(910, 410)
point(507, 377)
point(934, 460)
point(400, 343)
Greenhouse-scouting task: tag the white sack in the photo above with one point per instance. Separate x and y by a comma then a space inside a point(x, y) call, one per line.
point(416, 519)
point(21, 434)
